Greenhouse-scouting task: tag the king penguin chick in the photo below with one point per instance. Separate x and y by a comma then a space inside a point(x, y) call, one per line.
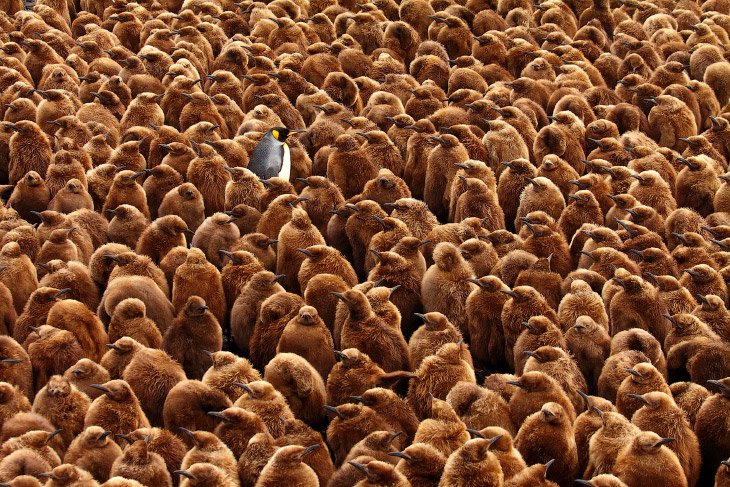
point(194, 329)
point(271, 156)
point(93, 451)
point(471, 462)
point(547, 435)
point(661, 415)
point(647, 462)
point(117, 410)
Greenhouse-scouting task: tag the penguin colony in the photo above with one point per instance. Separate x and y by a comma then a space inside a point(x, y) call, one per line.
point(494, 251)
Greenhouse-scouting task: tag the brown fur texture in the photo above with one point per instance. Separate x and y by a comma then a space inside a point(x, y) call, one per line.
point(142, 465)
point(56, 399)
point(262, 398)
point(549, 433)
point(94, 451)
point(446, 282)
point(367, 332)
point(301, 385)
point(658, 462)
point(117, 410)
point(227, 369)
point(151, 374)
point(307, 336)
point(186, 283)
point(187, 405)
point(195, 329)
point(130, 319)
point(84, 373)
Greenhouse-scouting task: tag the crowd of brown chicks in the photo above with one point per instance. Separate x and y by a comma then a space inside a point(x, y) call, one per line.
point(501, 260)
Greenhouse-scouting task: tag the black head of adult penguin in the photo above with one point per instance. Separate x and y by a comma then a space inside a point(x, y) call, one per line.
point(270, 157)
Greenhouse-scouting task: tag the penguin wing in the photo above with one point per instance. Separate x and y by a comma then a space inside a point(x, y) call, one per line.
point(267, 157)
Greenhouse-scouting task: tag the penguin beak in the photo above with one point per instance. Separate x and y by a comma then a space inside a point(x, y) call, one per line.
point(339, 295)
point(333, 410)
point(400, 455)
point(184, 473)
point(100, 387)
point(61, 292)
point(244, 387)
point(305, 252)
point(663, 441)
point(308, 450)
point(717, 383)
point(218, 415)
point(638, 397)
point(474, 433)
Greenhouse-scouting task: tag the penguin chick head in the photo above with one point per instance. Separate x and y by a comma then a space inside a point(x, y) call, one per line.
point(259, 390)
point(307, 316)
point(356, 302)
point(723, 386)
point(378, 473)
point(59, 235)
point(116, 390)
point(222, 358)
point(547, 353)
point(195, 306)
point(477, 449)
point(537, 325)
point(655, 400)
point(202, 440)
point(451, 353)
point(124, 345)
point(58, 386)
point(204, 475)
point(711, 303)
point(65, 474)
point(553, 413)
point(643, 373)
point(434, 321)
point(83, 368)
point(32, 179)
point(381, 441)
point(137, 453)
point(648, 443)
point(501, 440)
point(532, 382)
point(95, 437)
point(447, 256)
point(684, 324)
point(584, 325)
point(701, 273)
point(442, 410)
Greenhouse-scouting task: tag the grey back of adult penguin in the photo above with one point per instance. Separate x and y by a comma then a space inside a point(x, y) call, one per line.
point(270, 157)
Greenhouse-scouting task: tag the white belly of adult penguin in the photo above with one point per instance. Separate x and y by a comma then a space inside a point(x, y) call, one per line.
point(270, 157)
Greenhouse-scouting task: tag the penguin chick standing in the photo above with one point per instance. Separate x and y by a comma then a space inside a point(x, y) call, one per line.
point(271, 156)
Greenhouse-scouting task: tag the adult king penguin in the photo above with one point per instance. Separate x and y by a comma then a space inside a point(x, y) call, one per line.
point(271, 157)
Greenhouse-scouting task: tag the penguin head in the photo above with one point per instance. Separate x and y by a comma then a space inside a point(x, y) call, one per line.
point(281, 133)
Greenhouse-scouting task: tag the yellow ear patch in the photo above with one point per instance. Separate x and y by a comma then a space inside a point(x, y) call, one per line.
point(275, 133)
